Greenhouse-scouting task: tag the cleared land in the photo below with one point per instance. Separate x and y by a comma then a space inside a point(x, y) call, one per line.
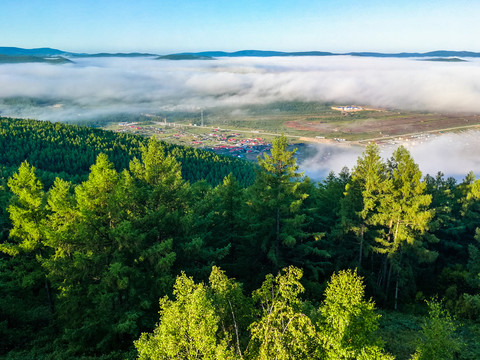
point(301, 122)
point(387, 125)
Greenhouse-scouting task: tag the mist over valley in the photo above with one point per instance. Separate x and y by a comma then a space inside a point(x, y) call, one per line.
point(230, 90)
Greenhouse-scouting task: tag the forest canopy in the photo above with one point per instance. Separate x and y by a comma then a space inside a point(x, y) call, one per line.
point(273, 266)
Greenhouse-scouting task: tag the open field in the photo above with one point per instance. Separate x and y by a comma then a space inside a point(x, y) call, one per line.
point(387, 124)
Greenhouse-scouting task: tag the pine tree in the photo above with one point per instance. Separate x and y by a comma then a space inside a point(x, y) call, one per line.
point(404, 216)
point(362, 198)
point(273, 207)
point(202, 246)
point(109, 265)
point(28, 209)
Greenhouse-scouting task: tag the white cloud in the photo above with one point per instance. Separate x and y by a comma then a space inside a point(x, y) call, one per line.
point(124, 83)
point(102, 85)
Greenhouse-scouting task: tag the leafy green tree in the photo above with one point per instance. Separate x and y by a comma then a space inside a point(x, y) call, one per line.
point(447, 226)
point(161, 171)
point(445, 204)
point(315, 253)
point(329, 197)
point(348, 322)
point(202, 322)
point(438, 340)
point(283, 331)
point(324, 247)
point(235, 309)
point(469, 190)
point(83, 263)
point(61, 219)
point(202, 245)
point(404, 208)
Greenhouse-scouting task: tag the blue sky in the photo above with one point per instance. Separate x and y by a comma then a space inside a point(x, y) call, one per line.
point(166, 26)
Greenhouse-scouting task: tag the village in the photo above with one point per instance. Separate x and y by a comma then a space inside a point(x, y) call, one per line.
point(221, 141)
point(249, 144)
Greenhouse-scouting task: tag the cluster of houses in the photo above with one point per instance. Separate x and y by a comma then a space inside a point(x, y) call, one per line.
point(241, 147)
point(232, 144)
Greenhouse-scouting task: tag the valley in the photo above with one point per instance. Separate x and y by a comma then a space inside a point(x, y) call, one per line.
point(247, 132)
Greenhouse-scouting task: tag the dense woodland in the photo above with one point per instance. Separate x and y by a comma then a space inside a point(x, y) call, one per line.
point(68, 151)
point(114, 246)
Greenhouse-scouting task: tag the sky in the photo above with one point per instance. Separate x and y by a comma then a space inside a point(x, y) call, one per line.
point(169, 26)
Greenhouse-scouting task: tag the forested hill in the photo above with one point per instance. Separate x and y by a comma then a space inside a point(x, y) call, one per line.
point(281, 269)
point(18, 59)
point(68, 151)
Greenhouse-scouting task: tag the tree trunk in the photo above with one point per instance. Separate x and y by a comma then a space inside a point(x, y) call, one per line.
point(396, 293)
point(49, 295)
point(383, 284)
point(48, 290)
point(276, 244)
point(382, 275)
point(360, 252)
point(387, 288)
point(277, 229)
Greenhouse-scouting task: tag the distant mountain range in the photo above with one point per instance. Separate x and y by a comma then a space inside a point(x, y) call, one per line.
point(261, 53)
point(47, 52)
point(41, 52)
point(16, 59)
point(185, 57)
point(15, 54)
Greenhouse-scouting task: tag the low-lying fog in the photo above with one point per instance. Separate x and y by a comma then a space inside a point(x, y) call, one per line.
point(133, 84)
point(93, 86)
point(453, 154)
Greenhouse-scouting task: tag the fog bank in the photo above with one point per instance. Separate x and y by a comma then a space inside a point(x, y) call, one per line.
point(100, 86)
point(454, 155)
point(103, 85)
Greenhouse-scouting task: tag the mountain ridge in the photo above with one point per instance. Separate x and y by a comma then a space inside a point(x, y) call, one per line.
point(50, 52)
point(19, 59)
